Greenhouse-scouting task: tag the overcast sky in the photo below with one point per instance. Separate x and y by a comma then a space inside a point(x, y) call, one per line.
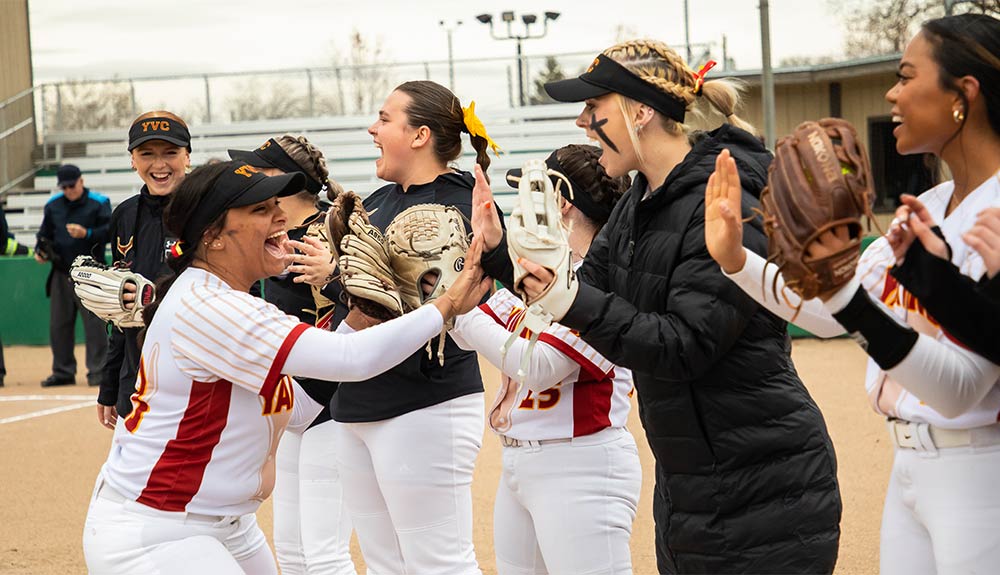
point(125, 38)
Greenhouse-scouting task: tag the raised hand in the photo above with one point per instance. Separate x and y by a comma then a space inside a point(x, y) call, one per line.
point(313, 260)
point(984, 237)
point(723, 227)
point(485, 219)
point(470, 287)
point(913, 221)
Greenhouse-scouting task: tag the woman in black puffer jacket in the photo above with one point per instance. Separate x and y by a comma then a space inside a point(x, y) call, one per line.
point(746, 476)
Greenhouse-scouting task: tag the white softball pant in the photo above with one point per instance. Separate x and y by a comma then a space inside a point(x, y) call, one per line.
point(567, 508)
point(942, 508)
point(408, 486)
point(312, 529)
point(126, 537)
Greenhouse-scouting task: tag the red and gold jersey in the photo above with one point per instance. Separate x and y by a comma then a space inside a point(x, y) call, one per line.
point(210, 404)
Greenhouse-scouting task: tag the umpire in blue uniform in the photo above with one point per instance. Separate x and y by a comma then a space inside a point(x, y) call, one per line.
point(75, 223)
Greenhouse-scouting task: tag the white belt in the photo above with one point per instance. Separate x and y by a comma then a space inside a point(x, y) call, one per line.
point(511, 442)
point(111, 494)
point(926, 437)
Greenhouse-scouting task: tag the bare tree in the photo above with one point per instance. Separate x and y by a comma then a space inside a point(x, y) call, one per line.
point(366, 72)
point(885, 26)
point(255, 102)
point(89, 106)
point(796, 61)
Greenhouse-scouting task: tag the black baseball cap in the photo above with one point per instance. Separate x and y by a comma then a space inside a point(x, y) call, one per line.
point(67, 175)
point(581, 198)
point(605, 76)
point(239, 185)
point(272, 155)
point(159, 128)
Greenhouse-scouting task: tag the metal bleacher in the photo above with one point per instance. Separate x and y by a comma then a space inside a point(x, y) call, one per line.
point(523, 133)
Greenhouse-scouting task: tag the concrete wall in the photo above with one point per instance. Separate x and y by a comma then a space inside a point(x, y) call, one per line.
point(15, 76)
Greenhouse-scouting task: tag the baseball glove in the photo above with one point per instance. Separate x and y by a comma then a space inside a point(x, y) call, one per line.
point(536, 232)
point(427, 245)
point(362, 259)
point(820, 180)
point(101, 289)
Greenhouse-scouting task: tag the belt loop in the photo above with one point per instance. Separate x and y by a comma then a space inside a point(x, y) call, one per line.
point(923, 432)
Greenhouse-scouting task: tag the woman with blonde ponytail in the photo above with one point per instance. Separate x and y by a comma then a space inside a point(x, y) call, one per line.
point(746, 476)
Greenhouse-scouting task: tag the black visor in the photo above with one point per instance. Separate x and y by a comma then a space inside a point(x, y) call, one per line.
point(605, 76)
point(272, 155)
point(240, 185)
point(158, 129)
point(598, 213)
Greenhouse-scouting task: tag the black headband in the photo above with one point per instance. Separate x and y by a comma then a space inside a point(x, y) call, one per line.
point(158, 128)
point(240, 185)
point(272, 155)
point(581, 199)
point(605, 76)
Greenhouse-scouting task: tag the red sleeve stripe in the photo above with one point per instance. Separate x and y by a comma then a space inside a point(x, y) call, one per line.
point(489, 311)
point(274, 374)
point(571, 352)
point(178, 473)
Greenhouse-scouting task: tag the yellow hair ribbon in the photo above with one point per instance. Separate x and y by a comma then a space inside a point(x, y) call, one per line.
point(476, 128)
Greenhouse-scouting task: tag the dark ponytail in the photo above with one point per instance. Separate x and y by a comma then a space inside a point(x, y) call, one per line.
point(182, 205)
point(436, 107)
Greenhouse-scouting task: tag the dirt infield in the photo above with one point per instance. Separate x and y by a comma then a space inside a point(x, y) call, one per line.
point(50, 462)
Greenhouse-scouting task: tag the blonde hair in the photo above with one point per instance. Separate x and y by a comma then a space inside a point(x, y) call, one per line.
point(658, 65)
point(307, 156)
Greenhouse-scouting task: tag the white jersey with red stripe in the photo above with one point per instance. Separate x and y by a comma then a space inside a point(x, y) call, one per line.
point(594, 394)
point(886, 395)
point(212, 356)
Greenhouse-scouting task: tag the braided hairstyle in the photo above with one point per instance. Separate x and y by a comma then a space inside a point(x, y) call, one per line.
point(581, 165)
point(182, 205)
point(436, 107)
point(657, 64)
point(308, 157)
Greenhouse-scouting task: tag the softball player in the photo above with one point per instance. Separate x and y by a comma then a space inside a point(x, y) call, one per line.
point(410, 436)
point(571, 474)
point(193, 460)
point(942, 507)
point(160, 147)
point(312, 529)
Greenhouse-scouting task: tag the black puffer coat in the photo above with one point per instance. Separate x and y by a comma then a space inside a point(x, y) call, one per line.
point(746, 478)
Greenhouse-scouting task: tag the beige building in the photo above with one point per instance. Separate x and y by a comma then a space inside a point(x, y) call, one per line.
point(853, 90)
point(17, 128)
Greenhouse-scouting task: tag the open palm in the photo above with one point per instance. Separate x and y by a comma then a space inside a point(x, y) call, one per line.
point(723, 228)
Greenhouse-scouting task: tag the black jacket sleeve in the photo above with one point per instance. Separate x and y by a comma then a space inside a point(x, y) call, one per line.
point(705, 314)
point(968, 310)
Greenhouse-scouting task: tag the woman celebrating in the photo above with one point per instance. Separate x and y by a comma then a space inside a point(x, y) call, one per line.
point(746, 473)
point(410, 436)
point(160, 146)
point(195, 458)
point(312, 529)
point(942, 402)
point(571, 474)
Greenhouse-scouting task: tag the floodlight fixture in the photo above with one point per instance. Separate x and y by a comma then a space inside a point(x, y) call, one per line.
point(529, 19)
point(485, 18)
point(551, 15)
point(507, 16)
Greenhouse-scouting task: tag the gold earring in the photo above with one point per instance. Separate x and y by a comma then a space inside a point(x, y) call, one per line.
point(958, 115)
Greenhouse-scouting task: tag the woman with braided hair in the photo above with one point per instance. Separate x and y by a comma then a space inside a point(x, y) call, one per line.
point(571, 475)
point(312, 529)
point(745, 470)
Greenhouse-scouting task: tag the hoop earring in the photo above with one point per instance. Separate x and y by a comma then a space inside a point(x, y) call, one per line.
point(958, 115)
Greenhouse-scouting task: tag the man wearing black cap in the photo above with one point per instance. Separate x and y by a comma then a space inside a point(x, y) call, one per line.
point(75, 223)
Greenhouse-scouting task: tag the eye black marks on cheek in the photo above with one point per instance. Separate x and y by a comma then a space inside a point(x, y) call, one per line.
point(598, 127)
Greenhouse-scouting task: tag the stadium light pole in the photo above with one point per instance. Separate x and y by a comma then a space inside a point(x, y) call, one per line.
point(449, 28)
point(527, 19)
point(767, 78)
